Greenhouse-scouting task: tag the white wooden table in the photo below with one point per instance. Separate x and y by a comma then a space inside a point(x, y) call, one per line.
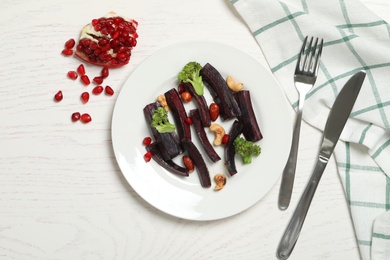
point(62, 193)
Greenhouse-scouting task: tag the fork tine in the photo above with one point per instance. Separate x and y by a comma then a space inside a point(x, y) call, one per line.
point(318, 56)
point(306, 65)
point(301, 53)
point(312, 59)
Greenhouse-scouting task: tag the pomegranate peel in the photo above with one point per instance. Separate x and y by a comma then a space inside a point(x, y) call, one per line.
point(107, 41)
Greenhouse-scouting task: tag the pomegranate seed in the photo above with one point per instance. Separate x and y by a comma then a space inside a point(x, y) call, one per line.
point(86, 42)
point(72, 74)
point(75, 116)
point(85, 118)
point(115, 35)
point(147, 156)
point(67, 52)
point(81, 70)
point(121, 56)
point(225, 139)
point(147, 141)
point(109, 91)
point(97, 90)
point(98, 27)
point(188, 121)
point(117, 20)
point(84, 97)
point(70, 44)
point(95, 22)
point(85, 80)
point(105, 72)
point(58, 96)
point(98, 80)
point(186, 96)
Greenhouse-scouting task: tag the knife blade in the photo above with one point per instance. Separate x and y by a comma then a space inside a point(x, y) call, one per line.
point(336, 121)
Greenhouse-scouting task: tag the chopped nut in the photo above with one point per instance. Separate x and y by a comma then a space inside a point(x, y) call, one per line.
point(219, 132)
point(233, 85)
point(163, 102)
point(220, 181)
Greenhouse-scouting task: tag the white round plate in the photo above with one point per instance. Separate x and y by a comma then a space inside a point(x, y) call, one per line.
point(184, 197)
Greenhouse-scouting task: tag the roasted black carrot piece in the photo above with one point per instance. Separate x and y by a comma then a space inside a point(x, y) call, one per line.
point(169, 142)
point(179, 113)
point(230, 152)
point(200, 165)
point(201, 104)
point(251, 130)
point(220, 92)
point(201, 133)
point(169, 165)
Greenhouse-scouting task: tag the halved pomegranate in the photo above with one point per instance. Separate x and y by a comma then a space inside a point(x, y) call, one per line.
point(108, 41)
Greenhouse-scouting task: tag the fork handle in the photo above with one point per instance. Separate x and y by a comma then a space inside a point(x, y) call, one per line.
point(288, 175)
point(294, 227)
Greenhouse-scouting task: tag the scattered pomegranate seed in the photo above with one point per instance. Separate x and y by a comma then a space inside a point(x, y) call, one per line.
point(67, 52)
point(85, 80)
point(72, 74)
point(84, 97)
point(104, 72)
point(98, 80)
point(75, 116)
point(188, 121)
point(85, 118)
point(97, 90)
point(147, 156)
point(147, 141)
point(58, 96)
point(225, 139)
point(70, 44)
point(109, 91)
point(81, 70)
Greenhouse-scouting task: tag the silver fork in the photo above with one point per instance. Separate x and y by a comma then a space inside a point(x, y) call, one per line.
point(304, 78)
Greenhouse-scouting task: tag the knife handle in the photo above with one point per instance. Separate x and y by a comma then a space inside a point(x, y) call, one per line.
point(294, 227)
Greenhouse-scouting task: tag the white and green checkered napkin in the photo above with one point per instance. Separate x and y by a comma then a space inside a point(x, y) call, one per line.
point(355, 39)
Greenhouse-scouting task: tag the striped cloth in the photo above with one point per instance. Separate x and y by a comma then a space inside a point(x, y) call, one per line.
point(355, 39)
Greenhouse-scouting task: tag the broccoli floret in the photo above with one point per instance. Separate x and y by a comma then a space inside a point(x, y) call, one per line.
point(246, 149)
point(191, 74)
point(160, 121)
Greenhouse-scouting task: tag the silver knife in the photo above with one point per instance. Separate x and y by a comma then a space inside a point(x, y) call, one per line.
point(337, 118)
